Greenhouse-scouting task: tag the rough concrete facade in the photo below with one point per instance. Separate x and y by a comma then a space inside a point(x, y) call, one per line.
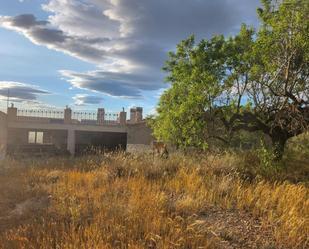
point(3, 134)
point(139, 133)
point(18, 137)
point(36, 133)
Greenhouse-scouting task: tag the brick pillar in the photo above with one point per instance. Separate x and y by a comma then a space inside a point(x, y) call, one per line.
point(136, 114)
point(101, 115)
point(12, 113)
point(67, 115)
point(139, 114)
point(133, 115)
point(123, 117)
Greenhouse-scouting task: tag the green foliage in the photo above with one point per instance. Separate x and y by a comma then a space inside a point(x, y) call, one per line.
point(298, 147)
point(259, 163)
point(267, 164)
point(254, 81)
point(181, 118)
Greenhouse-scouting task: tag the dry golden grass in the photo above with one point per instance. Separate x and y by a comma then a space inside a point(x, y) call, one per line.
point(125, 201)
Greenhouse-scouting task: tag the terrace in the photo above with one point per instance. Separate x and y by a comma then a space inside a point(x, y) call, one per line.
point(66, 116)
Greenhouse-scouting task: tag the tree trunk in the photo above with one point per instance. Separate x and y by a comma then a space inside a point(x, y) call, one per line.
point(278, 142)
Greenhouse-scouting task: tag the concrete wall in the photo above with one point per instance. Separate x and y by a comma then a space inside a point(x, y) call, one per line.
point(75, 138)
point(17, 136)
point(3, 134)
point(18, 139)
point(139, 133)
point(76, 127)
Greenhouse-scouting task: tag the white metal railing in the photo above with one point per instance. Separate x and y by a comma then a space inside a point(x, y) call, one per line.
point(91, 115)
point(58, 114)
point(94, 118)
point(78, 117)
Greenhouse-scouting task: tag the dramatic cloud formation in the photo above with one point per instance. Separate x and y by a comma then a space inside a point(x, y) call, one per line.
point(40, 32)
point(112, 83)
point(20, 91)
point(84, 99)
point(127, 39)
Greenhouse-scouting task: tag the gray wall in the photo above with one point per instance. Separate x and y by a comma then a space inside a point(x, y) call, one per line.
point(139, 133)
point(3, 135)
point(18, 139)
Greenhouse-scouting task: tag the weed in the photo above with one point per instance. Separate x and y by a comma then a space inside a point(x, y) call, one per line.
point(131, 201)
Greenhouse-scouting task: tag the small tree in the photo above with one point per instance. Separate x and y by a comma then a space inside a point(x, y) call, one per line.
point(254, 81)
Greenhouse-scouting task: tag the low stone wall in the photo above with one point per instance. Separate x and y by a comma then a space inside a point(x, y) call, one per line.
point(139, 148)
point(3, 135)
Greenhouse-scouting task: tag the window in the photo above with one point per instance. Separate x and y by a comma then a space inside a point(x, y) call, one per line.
point(35, 137)
point(31, 137)
point(39, 137)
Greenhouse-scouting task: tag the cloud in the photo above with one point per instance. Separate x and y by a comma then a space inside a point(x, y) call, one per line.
point(81, 18)
point(20, 91)
point(173, 20)
point(85, 99)
point(42, 33)
point(25, 21)
point(117, 84)
point(127, 40)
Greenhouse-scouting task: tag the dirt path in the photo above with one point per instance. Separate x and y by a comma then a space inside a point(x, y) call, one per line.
point(18, 202)
point(232, 229)
point(237, 229)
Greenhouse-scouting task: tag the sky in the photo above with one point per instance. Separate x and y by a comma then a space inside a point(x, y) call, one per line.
point(102, 53)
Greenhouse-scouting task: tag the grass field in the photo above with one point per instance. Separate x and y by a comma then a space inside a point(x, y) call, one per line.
point(133, 201)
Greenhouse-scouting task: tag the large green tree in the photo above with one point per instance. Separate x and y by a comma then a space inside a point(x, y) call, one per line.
point(257, 81)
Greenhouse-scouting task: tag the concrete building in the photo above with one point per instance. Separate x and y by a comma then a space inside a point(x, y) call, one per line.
point(56, 132)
